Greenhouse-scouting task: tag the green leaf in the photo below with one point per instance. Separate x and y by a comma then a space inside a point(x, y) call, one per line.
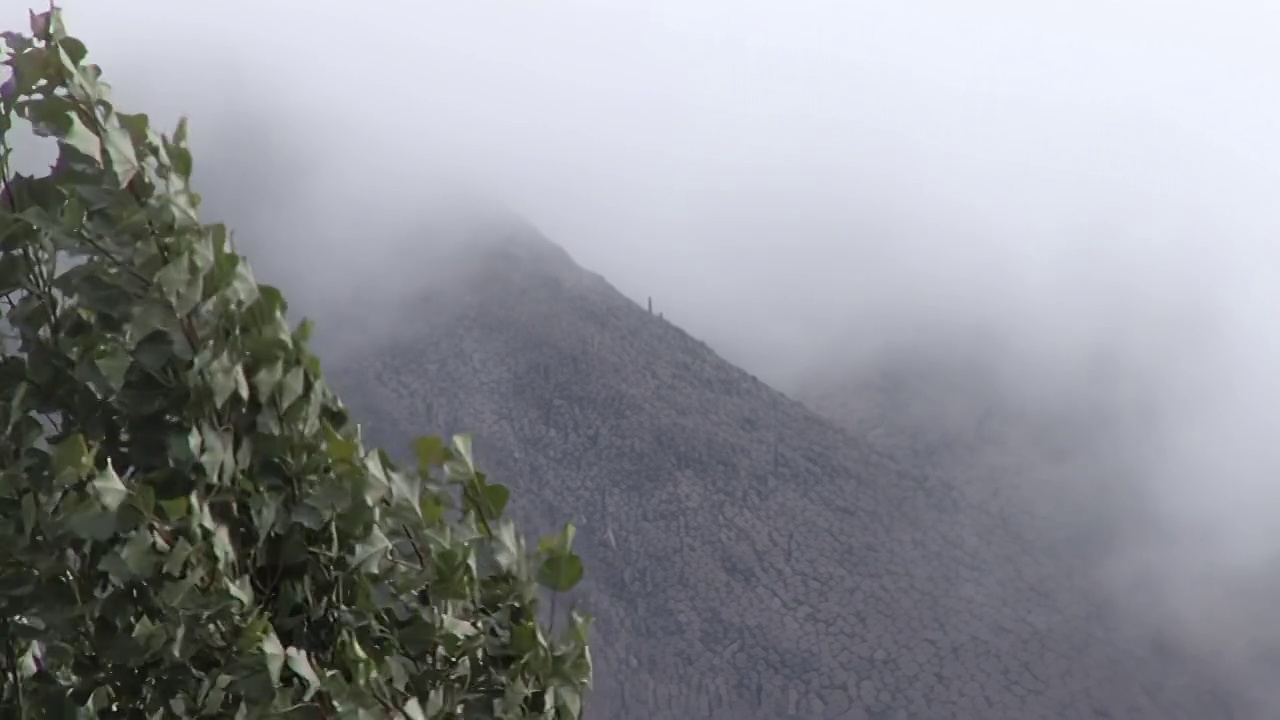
point(507, 546)
point(303, 333)
point(138, 555)
point(176, 508)
point(181, 158)
point(108, 488)
point(524, 639)
point(297, 661)
point(430, 452)
point(114, 363)
point(92, 524)
point(71, 459)
point(226, 378)
point(560, 572)
point(458, 628)
point(137, 124)
point(568, 702)
point(73, 52)
point(560, 542)
point(274, 655)
point(432, 509)
point(413, 710)
point(81, 138)
point(40, 23)
point(368, 553)
point(13, 271)
point(120, 151)
point(462, 445)
point(144, 498)
point(177, 557)
point(174, 278)
point(265, 380)
point(495, 498)
point(291, 387)
point(341, 449)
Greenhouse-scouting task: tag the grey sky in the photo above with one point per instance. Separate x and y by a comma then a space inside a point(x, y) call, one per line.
point(789, 179)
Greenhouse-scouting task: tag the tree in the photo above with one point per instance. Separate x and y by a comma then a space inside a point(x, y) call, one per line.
point(190, 525)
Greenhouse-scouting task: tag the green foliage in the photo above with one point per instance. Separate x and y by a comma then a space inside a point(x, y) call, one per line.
point(189, 525)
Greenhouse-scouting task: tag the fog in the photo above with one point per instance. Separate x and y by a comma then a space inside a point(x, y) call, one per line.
point(799, 183)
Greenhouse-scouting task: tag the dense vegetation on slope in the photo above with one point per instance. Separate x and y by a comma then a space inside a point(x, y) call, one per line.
point(189, 524)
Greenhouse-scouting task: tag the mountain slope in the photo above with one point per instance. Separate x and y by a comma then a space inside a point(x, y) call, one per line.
point(1070, 446)
point(1044, 446)
point(746, 558)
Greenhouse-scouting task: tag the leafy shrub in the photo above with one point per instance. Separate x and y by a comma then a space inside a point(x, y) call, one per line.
point(190, 526)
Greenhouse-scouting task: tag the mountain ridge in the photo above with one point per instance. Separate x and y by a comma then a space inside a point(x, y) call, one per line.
point(746, 557)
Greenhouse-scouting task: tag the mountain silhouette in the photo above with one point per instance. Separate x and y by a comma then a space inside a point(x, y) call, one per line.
point(746, 557)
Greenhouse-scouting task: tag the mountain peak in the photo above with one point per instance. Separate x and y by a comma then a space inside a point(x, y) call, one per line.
point(746, 558)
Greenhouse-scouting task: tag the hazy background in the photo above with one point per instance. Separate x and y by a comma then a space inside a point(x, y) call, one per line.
point(800, 183)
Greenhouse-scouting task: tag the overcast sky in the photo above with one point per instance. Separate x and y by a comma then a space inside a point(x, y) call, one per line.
point(781, 177)
point(763, 170)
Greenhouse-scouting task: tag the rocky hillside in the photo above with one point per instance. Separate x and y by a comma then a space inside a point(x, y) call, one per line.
point(747, 559)
point(1043, 448)
point(1067, 449)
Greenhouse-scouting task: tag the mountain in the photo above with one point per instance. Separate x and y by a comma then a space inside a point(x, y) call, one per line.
point(1044, 445)
point(746, 558)
point(1070, 446)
